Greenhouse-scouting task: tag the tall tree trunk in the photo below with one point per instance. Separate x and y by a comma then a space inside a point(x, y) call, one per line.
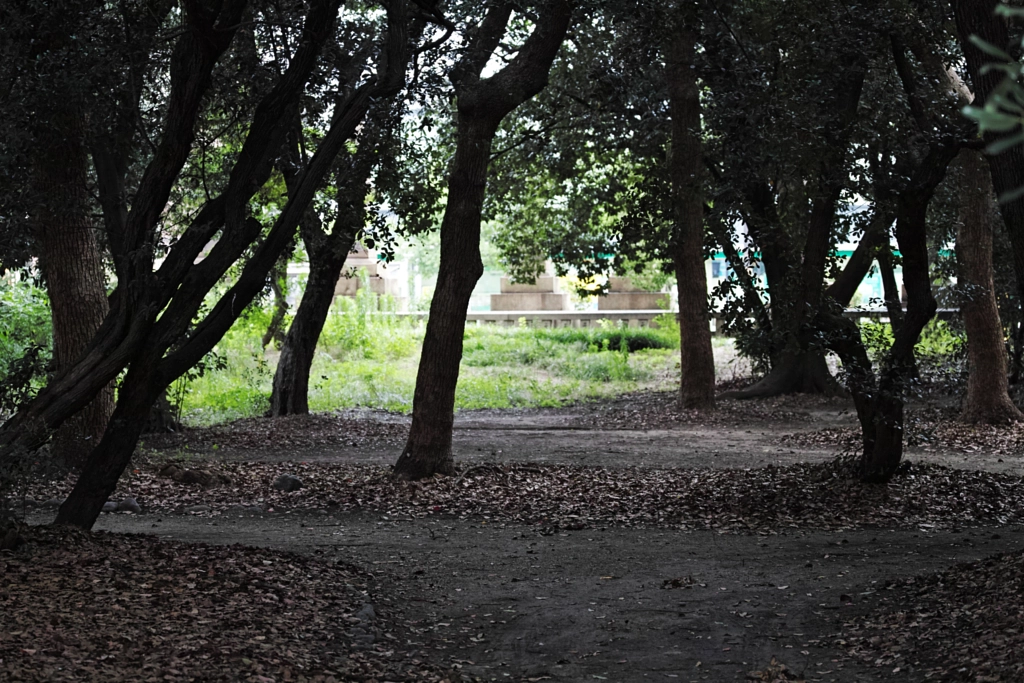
point(978, 18)
point(73, 268)
point(482, 104)
point(988, 396)
point(697, 360)
point(429, 447)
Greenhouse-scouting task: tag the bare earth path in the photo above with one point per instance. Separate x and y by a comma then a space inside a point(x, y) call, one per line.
point(513, 602)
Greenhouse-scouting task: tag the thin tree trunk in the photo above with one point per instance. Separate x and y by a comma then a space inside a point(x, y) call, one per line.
point(73, 269)
point(278, 283)
point(1017, 360)
point(890, 292)
point(291, 379)
point(988, 392)
point(697, 360)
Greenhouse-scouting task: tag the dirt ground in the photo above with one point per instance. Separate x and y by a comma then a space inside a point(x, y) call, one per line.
point(504, 601)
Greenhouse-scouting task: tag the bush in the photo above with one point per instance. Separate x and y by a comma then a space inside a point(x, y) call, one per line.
point(365, 327)
point(941, 351)
point(25, 343)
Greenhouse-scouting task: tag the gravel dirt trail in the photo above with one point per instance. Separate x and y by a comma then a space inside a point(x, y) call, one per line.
point(507, 603)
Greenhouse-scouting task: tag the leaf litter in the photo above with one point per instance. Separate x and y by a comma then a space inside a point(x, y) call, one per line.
point(929, 431)
point(819, 495)
point(113, 607)
point(962, 624)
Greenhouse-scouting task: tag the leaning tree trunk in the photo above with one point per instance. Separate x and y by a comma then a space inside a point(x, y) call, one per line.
point(697, 360)
point(103, 468)
point(73, 269)
point(482, 104)
point(278, 286)
point(164, 349)
point(988, 396)
point(291, 379)
point(429, 447)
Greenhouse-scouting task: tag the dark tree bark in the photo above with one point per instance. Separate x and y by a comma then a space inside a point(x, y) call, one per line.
point(898, 368)
point(327, 255)
point(798, 284)
point(482, 104)
point(291, 379)
point(890, 291)
point(697, 360)
point(977, 17)
point(988, 392)
point(73, 268)
point(154, 350)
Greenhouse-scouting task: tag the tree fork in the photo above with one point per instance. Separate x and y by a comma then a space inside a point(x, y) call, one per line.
point(482, 104)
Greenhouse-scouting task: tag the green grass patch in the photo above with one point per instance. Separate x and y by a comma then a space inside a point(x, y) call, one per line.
point(369, 358)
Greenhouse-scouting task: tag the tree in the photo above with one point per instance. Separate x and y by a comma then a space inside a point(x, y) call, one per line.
point(53, 105)
point(988, 397)
point(616, 178)
point(919, 167)
point(327, 252)
point(977, 19)
point(150, 331)
point(697, 361)
point(481, 106)
point(782, 160)
point(376, 148)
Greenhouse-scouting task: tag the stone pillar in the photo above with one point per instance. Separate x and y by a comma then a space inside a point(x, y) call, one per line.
point(624, 296)
point(543, 295)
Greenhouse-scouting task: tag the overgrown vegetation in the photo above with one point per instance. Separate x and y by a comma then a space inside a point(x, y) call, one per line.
point(25, 339)
point(367, 357)
point(941, 352)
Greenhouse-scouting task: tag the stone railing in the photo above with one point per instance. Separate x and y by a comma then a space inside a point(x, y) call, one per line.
point(628, 318)
point(638, 318)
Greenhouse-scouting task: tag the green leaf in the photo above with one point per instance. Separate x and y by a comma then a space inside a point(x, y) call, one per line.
point(989, 120)
point(1011, 195)
point(1010, 69)
point(990, 49)
point(1009, 12)
point(1003, 144)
